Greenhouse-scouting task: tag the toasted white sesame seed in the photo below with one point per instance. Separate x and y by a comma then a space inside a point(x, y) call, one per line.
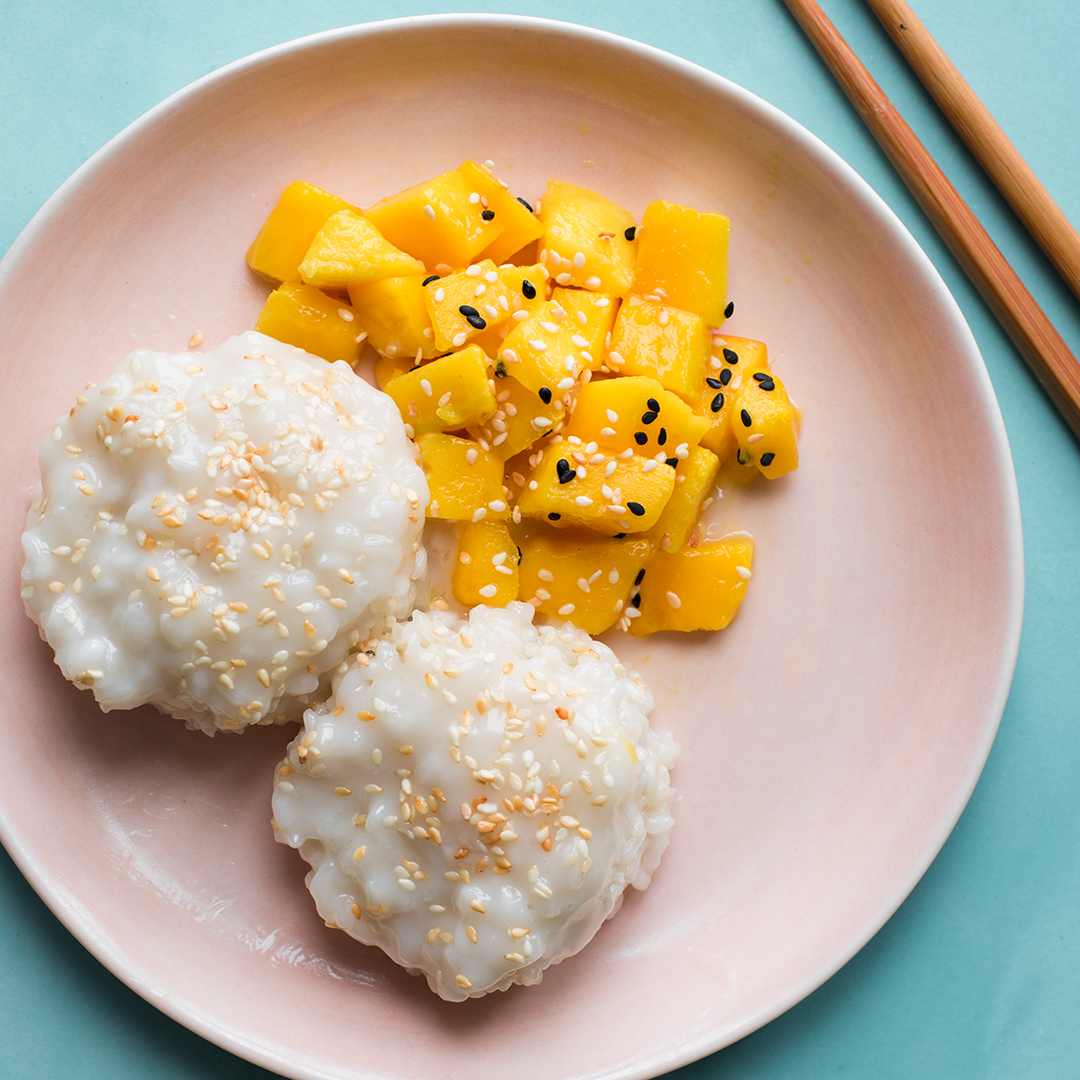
point(743, 572)
point(429, 212)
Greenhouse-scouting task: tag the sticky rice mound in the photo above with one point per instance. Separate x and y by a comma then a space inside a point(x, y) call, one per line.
point(476, 795)
point(213, 533)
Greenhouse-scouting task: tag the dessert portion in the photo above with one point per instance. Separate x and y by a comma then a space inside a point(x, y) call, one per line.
point(476, 795)
point(213, 533)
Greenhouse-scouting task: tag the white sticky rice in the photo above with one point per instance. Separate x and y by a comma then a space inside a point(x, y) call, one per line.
point(214, 532)
point(476, 795)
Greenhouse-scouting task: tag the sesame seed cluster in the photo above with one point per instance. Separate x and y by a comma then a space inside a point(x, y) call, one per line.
point(476, 795)
point(214, 532)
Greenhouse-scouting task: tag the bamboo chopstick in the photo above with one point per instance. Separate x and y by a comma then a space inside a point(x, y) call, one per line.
point(987, 142)
point(1023, 320)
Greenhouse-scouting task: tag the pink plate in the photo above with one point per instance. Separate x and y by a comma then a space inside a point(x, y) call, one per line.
point(831, 736)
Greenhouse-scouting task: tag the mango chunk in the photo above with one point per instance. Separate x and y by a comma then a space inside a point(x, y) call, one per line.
point(388, 368)
point(665, 343)
point(540, 352)
point(287, 233)
point(302, 316)
point(764, 423)
point(465, 481)
point(437, 222)
point(695, 588)
point(486, 570)
point(445, 395)
point(349, 250)
point(594, 315)
point(520, 418)
point(585, 240)
point(520, 225)
point(568, 486)
point(527, 290)
point(694, 478)
point(582, 578)
point(635, 413)
point(731, 361)
point(393, 312)
point(463, 304)
point(682, 259)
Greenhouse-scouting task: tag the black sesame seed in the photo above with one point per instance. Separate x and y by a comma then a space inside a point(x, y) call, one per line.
point(662, 437)
point(640, 576)
point(631, 232)
point(487, 215)
point(554, 517)
point(472, 316)
point(742, 458)
point(467, 310)
point(760, 376)
point(725, 376)
point(566, 474)
point(746, 420)
point(528, 289)
point(654, 405)
point(525, 204)
point(648, 418)
point(635, 508)
point(729, 310)
point(715, 383)
point(640, 438)
point(767, 459)
point(717, 403)
point(767, 384)
point(731, 356)
point(500, 369)
point(672, 461)
point(429, 280)
point(636, 601)
point(545, 395)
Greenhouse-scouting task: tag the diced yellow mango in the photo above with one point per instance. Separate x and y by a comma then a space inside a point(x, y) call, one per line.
point(571, 492)
point(445, 395)
point(301, 315)
point(585, 242)
point(682, 259)
point(592, 318)
point(695, 588)
point(665, 343)
point(635, 413)
point(288, 231)
point(582, 578)
point(393, 312)
point(540, 352)
point(521, 417)
point(486, 570)
point(520, 225)
point(694, 478)
point(388, 368)
point(463, 304)
point(436, 222)
point(350, 250)
point(465, 481)
point(732, 360)
point(764, 423)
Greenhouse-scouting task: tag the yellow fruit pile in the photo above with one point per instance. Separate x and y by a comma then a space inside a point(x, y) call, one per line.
point(563, 374)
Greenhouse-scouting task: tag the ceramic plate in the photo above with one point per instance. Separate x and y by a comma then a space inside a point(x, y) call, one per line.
point(831, 735)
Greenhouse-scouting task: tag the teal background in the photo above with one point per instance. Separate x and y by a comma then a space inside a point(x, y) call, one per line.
point(978, 974)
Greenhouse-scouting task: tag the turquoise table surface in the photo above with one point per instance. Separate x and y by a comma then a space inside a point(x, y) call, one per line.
point(978, 973)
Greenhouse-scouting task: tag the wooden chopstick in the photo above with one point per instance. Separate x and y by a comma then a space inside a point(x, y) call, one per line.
point(990, 146)
point(1022, 319)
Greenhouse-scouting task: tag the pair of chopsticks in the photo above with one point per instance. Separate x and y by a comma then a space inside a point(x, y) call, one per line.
point(1021, 317)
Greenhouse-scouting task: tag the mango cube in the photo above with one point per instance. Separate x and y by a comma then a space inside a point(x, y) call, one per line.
point(349, 250)
point(300, 315)
point(540, 352)
point(393, 312)
point(463, 304)
point(445, 395)
point(388, 368)
point(486, 570)
point(732, 360)
point(682, 259)
point(695, 588)
point(465, 481)
point(665, 343)
point(582, 578)
point(694, 478)
point(436, 221)
point(585, 239)
point(764, 423)
point(282, 242)
point(520, 225)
